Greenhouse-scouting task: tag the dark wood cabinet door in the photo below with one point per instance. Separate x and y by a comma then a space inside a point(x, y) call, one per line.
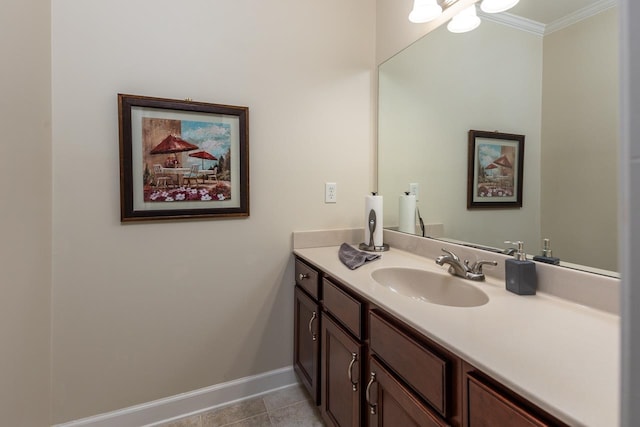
point(488, 404)
point(390, 403)
point(306, 350)
point(341, 376)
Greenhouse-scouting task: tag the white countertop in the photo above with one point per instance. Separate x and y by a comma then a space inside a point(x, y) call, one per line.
point(562, 356)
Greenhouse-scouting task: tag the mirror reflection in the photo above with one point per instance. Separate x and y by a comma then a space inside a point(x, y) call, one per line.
point(558, 88)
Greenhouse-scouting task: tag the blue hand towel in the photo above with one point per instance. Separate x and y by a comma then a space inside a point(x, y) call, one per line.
point(353, 258)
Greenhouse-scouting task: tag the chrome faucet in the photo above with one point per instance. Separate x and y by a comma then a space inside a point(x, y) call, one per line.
point(463, 269)
point(456, 267)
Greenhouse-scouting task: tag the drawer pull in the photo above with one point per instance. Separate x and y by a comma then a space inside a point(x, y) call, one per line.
point(372, 406)
point(354, 359)
point(314, 315)
point(303, 276)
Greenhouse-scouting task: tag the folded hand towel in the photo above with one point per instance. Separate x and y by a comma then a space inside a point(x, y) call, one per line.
point(353, 258)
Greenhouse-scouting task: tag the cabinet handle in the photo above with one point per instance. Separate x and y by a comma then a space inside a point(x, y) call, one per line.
point(314, 336)
point(303, 276)
point(354, 359)
point(372, 406)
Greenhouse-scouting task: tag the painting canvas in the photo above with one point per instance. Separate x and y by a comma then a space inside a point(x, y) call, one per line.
point(167, 170)
point(495, 170)
point(182, 159)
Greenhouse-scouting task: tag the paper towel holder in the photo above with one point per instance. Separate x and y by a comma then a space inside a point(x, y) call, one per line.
point(370, 247)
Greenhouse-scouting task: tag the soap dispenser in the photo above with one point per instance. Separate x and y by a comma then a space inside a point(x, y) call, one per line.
point(546, 254)
point(520, 273)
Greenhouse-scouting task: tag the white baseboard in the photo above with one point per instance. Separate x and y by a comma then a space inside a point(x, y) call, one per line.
point(185, 404)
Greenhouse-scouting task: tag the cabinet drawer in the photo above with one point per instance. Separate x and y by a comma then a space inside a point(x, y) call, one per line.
point(424, 371)
point(307, 278)
point(346, 309)
point(488, 407)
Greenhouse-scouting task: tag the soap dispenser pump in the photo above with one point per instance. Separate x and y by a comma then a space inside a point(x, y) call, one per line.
point(520, 273)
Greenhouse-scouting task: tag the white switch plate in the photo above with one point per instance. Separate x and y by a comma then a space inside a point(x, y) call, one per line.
point(330, 195)
point(413, 189)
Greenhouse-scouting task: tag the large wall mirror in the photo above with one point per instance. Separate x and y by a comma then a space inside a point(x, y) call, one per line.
point(556, 84)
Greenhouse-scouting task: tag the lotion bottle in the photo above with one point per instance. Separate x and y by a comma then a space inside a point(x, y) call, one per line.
point(520, 273)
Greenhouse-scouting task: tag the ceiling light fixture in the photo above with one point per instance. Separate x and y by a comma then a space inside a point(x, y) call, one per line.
point(466, 20)
point(497, 6)
point(424, 11)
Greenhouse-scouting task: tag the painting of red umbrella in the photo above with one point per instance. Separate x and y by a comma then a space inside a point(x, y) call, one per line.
point(173, 144)
point(157, 134)
point(494, 175)
point(203, 155)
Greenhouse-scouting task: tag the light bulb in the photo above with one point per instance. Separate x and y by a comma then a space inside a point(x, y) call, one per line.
point(424, 11)
point(465, 20)
point(497, 6)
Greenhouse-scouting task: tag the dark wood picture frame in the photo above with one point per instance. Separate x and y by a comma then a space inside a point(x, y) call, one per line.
point(495, 170)
point(182, 159)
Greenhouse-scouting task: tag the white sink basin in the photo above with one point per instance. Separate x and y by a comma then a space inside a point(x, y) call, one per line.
point(427, 286)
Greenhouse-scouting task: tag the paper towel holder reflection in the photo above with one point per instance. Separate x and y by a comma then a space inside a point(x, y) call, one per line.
point(373, 223)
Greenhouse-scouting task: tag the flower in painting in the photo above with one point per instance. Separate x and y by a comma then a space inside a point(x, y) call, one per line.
point(220, 197)
point(205, 197)
point(169, 199)
point(180, 196)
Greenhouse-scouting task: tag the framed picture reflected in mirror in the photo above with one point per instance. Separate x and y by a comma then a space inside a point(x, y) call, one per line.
point(495, 170)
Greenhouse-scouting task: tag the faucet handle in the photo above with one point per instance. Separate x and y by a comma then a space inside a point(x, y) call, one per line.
point(476, 268)
point(451, 254)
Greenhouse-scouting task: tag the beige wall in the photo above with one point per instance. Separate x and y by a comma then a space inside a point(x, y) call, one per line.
point(25, 213)
point(580, 115)
point(149, 310)
point(431, 94)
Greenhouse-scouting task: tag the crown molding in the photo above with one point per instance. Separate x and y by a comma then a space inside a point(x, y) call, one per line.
point(579, 15)
point(514, 21)
point(541, 29)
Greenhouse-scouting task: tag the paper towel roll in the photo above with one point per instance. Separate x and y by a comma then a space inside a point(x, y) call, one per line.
point(373, 202)
point(407, 220)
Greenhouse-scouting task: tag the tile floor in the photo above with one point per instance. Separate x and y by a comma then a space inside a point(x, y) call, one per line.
point(288, 407)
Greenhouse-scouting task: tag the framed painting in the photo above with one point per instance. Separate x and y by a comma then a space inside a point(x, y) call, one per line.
point(495, 170)
point(182, 159)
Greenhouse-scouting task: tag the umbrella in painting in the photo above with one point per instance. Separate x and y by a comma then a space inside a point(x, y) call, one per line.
point(203, 155)
point(503, 161)
point(489, 170)
point(173, 144)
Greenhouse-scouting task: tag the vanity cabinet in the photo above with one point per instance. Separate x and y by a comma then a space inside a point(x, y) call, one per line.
point(365, 367)
point(306, 346)
point(390, 403)
point(419, 365)
point(424, 371)
point(341, 357)
point(488, 403)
